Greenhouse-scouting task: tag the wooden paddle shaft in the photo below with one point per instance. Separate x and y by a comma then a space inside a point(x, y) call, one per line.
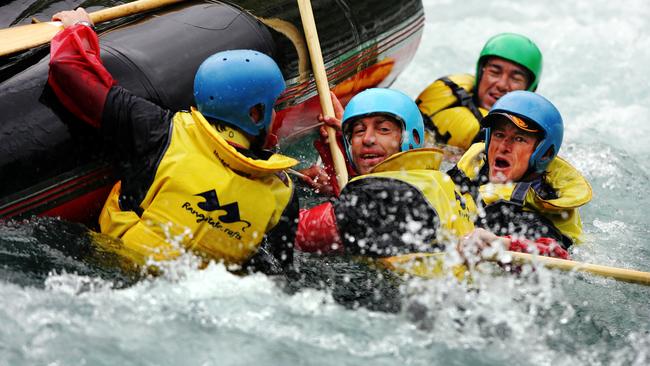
point(429, 265)
point(318, 67)
point(24, 37)
point(626, 275)
point(136, 7)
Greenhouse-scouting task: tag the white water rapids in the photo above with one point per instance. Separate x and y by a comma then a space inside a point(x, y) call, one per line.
point(596, 59)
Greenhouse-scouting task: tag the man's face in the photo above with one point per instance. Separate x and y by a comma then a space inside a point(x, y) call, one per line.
point(509, 151)
point(498, 78)
point(372, 140)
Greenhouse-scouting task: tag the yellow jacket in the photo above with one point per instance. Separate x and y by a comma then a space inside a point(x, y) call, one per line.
point(404, 205)
point(206, 197)
point(446, 106)
point(571, 191)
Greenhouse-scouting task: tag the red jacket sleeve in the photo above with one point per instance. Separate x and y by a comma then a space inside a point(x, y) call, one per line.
point(77, 74)
point(544, 246)
point(325, 153)
point(317, 231)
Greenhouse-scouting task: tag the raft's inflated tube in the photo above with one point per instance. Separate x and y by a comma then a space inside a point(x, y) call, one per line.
point(52, 164)
point(46, 155)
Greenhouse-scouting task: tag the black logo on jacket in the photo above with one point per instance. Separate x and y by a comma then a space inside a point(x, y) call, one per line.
point(212, 204)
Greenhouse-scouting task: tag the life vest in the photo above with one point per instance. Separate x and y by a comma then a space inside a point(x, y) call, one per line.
point(571, 190)
point(206, 197)
point(404, 205)
point(449, 111)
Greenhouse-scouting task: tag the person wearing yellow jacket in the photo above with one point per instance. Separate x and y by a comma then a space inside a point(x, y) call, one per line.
point(454, 105)
point(399, 202)
point(196, 180)
point(516, 177)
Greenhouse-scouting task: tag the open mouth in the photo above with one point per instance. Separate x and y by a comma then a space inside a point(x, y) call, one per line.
point(371, 159)
point(370, 156)
point(501, 163)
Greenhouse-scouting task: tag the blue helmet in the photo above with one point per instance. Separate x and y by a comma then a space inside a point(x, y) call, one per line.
point(532, 108)
point(389, 102)
point(229, 83)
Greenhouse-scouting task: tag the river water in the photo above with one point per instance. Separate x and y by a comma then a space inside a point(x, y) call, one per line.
point(596, 57)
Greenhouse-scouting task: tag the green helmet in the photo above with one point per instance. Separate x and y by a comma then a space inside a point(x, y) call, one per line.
point(515, 48)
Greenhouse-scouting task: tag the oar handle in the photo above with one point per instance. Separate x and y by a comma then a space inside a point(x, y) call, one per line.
point(430, 265)
point(621, 274)
point(139, 6)
point(24, 37)
point(318, 67)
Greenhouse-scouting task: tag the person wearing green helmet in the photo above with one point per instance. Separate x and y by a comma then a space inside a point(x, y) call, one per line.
point(453, 106)
point(524, 188)
point(193, 180)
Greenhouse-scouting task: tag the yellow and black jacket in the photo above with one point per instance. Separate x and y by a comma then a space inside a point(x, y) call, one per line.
point(185, 188)
point(544, 207)
point(450, 112)
point(405, 205)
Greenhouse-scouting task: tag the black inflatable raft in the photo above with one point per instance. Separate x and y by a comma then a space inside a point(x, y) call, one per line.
point(52, 164)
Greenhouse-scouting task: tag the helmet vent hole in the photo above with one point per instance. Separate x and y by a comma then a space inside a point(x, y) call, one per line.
point(225, 59)
point(549, 153)
point(256, 113)
point(416, 137)
point(247, 60)
point(211, 97)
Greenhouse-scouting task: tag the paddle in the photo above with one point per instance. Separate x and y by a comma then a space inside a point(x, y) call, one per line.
point(318, 68)
point(621, 274)
point(430, 265)
point(23, 37)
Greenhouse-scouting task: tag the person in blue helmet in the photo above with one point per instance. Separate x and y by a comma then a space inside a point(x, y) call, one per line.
point(194, 180)
point(399, 202)
point(517, 177)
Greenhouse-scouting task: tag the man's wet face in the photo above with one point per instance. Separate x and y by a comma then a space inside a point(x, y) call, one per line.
point(372, 140)
point(509, 151)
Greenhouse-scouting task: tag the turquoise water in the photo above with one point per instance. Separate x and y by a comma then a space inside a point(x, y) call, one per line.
point(595, 71)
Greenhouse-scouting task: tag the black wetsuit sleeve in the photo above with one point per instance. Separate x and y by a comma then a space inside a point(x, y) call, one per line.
point(275, 255)
point(508, 218)
point(383, 217)
point(138, 132)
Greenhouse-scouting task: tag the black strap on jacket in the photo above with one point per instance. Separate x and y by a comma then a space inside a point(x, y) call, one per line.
point(543, 189)
point(519, 193)
point(467, 185)
point(464, 98)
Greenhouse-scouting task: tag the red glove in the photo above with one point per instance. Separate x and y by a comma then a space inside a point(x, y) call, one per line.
point(317, 231)
point(545, 246)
